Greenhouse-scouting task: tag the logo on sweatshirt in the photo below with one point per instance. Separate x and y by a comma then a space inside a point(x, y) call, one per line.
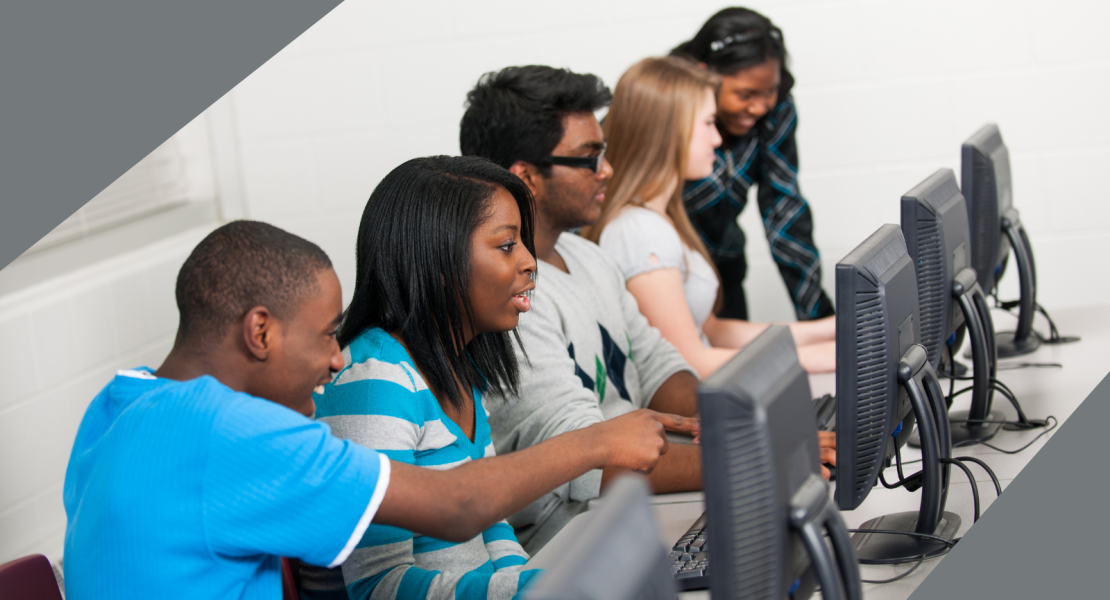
point(608, 368)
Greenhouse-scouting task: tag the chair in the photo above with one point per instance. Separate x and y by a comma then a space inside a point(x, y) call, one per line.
point(29, 578)
point(289, 576)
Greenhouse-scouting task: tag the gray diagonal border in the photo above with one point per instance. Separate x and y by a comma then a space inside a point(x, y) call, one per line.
point(89, 87)
point(1047, 535)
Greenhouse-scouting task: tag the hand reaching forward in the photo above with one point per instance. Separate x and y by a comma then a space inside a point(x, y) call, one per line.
point(636, 440)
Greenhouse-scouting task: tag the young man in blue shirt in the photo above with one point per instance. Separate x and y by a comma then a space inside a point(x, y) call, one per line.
point(191, 480)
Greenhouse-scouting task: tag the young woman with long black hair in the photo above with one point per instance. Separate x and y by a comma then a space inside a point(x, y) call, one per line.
point(444, 269)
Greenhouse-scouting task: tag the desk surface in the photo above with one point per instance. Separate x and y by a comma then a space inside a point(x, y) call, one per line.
point(1041, 391)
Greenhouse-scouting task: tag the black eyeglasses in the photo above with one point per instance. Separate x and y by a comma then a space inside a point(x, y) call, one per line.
point(592, 163)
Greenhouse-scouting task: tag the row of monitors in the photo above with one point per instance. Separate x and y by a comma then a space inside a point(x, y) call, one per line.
point(902, 295)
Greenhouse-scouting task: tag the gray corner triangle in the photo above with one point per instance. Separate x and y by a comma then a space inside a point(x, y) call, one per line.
point(1048, 535)
point(90, 88)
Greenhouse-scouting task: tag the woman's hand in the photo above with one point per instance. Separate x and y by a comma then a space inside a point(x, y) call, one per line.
point(636, 440)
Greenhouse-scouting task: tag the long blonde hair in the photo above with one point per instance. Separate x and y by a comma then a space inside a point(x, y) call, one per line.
point(648, 132)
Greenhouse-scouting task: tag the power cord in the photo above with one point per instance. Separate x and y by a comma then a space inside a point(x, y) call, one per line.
point(1051, 424)
point(971, 480)
point(1013, 366)
point(920, 560)
point(1023, 423)
point(1054, 336)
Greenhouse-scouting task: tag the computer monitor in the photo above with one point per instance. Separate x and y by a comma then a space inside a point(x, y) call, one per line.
point(950, 301)
point(767, 506)
point(620, 556)
point(995, 229)
point(884, 385)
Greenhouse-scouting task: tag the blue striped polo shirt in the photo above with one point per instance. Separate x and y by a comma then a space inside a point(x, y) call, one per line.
point(380, 401)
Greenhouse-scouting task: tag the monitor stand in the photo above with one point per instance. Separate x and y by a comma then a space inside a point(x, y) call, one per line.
point(878, 547)
point(953, 368)
point(965, 429)
point(980, 331)
point(1023, 339)
point(920, 381)
point(813, 515)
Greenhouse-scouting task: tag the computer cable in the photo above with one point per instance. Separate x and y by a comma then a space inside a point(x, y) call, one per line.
point(920, 559)
point(913, 482)
point(994, 479)
point(1013, 366)
point(1054, 336)
point(971, 480)
point(1022, 423)
point(1051, 424)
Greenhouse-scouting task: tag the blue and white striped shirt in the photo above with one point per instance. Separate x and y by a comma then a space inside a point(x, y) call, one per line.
point(380, 401)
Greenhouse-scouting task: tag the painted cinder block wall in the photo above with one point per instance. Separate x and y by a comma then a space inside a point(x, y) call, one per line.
point(886, 93)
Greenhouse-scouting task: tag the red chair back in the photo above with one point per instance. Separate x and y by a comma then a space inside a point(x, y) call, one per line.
point(289, 580)
point(29, 578)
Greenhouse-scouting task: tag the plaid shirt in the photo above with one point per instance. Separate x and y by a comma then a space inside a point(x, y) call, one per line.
point(767, 155)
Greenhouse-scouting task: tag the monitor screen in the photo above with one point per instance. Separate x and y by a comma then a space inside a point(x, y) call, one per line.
point(985, 182)
point(620, 556)
point(876, 324)
point(759, 447)
point(934, 223)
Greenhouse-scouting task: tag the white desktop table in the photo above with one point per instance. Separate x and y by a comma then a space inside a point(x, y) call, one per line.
point(1041, 392)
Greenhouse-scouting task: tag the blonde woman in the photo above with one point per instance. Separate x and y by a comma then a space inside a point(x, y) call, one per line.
point(661, 129)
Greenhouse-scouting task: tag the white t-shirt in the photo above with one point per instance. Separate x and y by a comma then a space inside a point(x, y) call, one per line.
point(641, 240)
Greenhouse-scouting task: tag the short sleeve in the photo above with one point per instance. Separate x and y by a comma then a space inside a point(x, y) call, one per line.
point(640, 241)
point(279, 483)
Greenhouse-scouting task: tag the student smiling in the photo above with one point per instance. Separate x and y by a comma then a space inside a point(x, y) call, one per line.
point(190, 481)
point(757, 118)
point(661, 129)
point(444, 270)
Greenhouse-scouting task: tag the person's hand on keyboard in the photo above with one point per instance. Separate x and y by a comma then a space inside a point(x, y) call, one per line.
point(826, 441)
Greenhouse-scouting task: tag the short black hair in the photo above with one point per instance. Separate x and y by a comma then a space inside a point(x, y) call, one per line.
point(516, 114)
point(239, 266)
point(412, 273)
point(737, 38)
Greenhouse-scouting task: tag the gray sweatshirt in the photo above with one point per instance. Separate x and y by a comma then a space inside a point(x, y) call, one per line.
point(591, 356)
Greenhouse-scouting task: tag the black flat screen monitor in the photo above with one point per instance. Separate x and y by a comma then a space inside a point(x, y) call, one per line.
point(767, 506)
point(996, 230)
point(934, 223)
point(876, 324)
point(884, 386)
point(619, 557)
point(985, 182)
point(950, 301)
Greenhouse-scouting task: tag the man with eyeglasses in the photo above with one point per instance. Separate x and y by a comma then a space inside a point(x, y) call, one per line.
point(588, 354)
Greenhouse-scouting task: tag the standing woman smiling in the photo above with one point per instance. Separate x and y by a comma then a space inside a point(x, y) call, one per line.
point(660, 129)
point(757, 120)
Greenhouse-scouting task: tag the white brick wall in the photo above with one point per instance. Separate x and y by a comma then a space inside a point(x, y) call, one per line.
point(886, 93)
point(60, 342)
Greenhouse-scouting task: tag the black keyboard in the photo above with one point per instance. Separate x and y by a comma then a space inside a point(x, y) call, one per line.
point(690, 558)
point(826, 412)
